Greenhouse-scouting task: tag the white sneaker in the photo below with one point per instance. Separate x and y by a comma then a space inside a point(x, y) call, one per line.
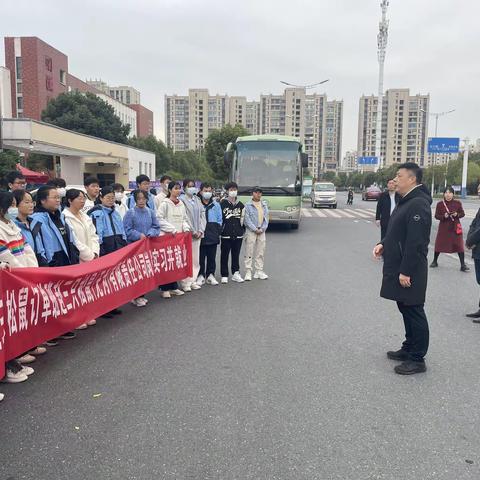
point(248, 275)
point(11, 377)
point(166, 295)
point(2, 396)
point(144, 300)
point(195, 286)
point(27, 371)
point(237, 278)
point(200, 280)
point(187, 288)
point(83, 326)
point(138, 302)
point(224, 279)
point(211, 280)
point(38, 350)
point(26, 359)
point(177, 292)
point(90, 323)
point(261, 275)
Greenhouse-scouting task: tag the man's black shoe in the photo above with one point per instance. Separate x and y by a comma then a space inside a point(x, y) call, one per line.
point(473, 315)
point(410, 368)
point(477, 320)
point(400, 355)
point(107, 315)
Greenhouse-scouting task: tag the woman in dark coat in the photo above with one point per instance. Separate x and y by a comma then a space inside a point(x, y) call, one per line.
point(449, 236)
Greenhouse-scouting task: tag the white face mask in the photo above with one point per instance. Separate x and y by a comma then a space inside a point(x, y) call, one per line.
point(12, 212)
point(191, 191)
point(232, 193)
point(118, 196)
point(62, 191)
point(165, 187)
point(207, 195)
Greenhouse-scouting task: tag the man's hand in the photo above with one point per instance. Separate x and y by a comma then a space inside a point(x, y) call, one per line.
point(404, 281)
point(259, 231)
point(377, 223)
point(378, 251)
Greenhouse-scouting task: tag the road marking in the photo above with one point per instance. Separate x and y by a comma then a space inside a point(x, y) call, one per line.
point(363, 215)
point(334, 214)
point(306, 213)
point(345, 213)
point(319, 213)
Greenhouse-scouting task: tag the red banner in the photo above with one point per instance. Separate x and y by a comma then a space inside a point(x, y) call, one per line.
point(38, 304)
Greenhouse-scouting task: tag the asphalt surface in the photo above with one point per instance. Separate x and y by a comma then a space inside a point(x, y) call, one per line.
point(281, 379)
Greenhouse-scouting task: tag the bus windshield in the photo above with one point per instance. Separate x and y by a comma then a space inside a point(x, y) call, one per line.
point(267, 163)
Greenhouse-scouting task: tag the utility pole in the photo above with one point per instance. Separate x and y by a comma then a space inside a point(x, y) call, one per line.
point(465, 167)
point(382, 38)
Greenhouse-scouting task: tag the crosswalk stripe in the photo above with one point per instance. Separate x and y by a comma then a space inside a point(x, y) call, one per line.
point(334, 214)
point(319, 213)
point(363, 210)
point(306, 213)
point(363, 215)
point(345, 213)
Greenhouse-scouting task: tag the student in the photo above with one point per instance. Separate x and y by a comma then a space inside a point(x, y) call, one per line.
point(86, 238)
point(173, 219)
point(211, 237)
point(162, 195)
point(14, 253)
point(61, 185)
point(92, 187)
point(232, 233)
point(143, 183)
point(256, 223)
point(57, 238)
point(197, 222)
point(109, 227)
point(120, 199)
point(15, 181)
point(140, 222)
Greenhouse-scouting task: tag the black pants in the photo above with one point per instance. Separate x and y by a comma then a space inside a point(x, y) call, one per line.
point(416, 330)
point(208, 253)
point(169, 286)
point(230, 245)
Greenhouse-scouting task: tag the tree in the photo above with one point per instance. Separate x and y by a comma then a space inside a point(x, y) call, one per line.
point(8, 163)
point(163, 155)
point(86, 113)
point(216, 144)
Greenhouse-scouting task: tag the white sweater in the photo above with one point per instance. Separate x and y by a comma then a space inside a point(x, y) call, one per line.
point(13, 249)
point(172, 218)
point(86, 238)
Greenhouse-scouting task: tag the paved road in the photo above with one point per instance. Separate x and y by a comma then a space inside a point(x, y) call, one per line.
point(283, 379)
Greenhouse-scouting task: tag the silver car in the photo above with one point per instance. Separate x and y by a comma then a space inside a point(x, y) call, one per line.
point(324, 194)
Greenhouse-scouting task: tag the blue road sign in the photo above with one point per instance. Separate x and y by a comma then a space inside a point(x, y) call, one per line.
point(367, 161)
point(443, 145)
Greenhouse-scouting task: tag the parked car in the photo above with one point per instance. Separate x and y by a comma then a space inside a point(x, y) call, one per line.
point(371, 193)
point(324, 194)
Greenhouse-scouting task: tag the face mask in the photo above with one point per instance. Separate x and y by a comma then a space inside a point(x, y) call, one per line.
point(191, 191)
point(118, 196)
point(165, 187)
point(232, 193)
point(62, 192)
point(207, 195)
point(13, 212)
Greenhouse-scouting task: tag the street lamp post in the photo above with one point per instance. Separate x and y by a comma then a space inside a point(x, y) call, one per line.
point(465, 167)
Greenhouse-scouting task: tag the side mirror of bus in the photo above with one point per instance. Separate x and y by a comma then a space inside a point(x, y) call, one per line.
point(227, 159)
point(304, 158)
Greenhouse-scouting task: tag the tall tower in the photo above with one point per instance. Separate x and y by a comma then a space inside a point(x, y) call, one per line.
point(382, 38)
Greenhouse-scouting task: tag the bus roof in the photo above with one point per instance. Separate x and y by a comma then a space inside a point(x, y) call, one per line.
point(278, 138)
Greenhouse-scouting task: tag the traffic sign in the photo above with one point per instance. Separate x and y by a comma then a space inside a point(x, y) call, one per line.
point(367, 161)
point(443, 145)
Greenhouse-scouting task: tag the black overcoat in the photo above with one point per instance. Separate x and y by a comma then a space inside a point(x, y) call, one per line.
point(406, 248)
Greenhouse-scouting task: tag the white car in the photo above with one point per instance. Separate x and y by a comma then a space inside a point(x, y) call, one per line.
point(324, 194)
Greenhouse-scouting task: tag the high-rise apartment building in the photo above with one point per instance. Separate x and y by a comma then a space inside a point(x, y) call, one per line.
point(5, 93)
point(349, 163)
point(404, 134)
point(126, 95)
point(316, 121)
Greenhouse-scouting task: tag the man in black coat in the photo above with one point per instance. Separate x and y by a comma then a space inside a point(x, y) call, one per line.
point(473, 242)
point(386, 204)
point(404, 250)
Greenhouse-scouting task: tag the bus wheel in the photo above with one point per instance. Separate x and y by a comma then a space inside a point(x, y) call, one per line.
point(294, 226)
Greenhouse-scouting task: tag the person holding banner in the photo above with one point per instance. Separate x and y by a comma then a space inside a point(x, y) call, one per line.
point(140, 222)
point(86, 238)
point(109, 227)
point(173, 219)
point(196, 221)
point(143, 183)
point(14, 253)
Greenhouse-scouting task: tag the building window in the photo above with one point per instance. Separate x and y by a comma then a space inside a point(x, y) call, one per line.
point(20, 103)
point(128, 96)
point(48, 64)
point(63, 77)
point(19, 87)
point(19, 67)
point(49, 83)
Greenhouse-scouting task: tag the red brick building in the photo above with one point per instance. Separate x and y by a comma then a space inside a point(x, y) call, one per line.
point(144, 120)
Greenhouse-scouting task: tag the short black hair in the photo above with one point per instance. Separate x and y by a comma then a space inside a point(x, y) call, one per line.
point(42, 194)
point(230, 185)
point(257, 189)
point(414, 169)
point(136, 193)
point(10, 177)
point(6, 200)
point(118, 186)
point(89, 180)
point(57, 182)
point(187, 181)
point(449, 189)
point(171, 186)
point(20, 195)
point(390, 180)
point(205, 185)
point(142, 178)
point(72, 194)
point(165, 177)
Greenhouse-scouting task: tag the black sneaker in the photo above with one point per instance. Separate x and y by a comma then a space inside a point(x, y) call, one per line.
point(68, 335)
point(116, 311)
point(464, 268)
point(400, 355)
point(473, 315)
point(434, 264)
point(410, 368)
point(477, 320)
point(52, 343)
